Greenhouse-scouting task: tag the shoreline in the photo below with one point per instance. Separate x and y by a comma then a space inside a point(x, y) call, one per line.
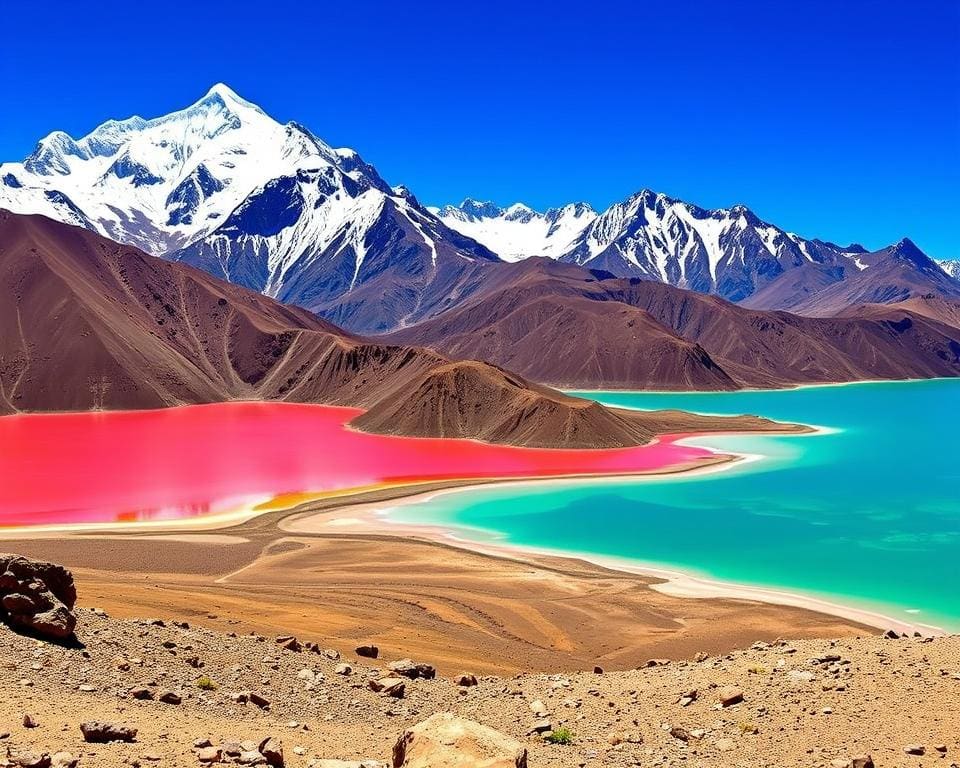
point(788, 388)
point(366, 510)
point(373, 517)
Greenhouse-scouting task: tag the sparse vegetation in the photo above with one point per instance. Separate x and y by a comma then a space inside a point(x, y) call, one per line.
point(747, 727)
point(561, 735)
point(206, 684)
point(757, 670)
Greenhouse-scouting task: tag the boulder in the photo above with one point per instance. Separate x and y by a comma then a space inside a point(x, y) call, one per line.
point(368, 651)
point(100, 732)
point(447, 741)
point(33, 760)
point(272, 751)
point(37, 596)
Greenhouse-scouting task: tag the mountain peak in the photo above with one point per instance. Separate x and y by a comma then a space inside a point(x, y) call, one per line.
point(480, 208)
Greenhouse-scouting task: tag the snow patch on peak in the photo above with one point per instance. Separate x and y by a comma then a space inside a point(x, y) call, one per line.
point(518, 231)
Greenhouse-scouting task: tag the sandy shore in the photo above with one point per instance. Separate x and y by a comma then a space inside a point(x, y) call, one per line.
point(374, 518)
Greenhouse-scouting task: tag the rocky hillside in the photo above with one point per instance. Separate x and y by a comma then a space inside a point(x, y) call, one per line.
point(149, 692)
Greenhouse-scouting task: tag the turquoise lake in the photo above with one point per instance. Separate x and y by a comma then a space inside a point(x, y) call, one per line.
point(867, 514)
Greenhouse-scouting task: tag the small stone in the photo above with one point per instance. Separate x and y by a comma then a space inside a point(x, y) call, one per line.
point(915, 749)
point(598, 670)
point(170, 697)
point(730, 695)
point(466, 680)
point(725, 744)
point(255, 698)
point(343, 669)
point(680, 733)
point(29, 721)
point(861, 761)
point(141, 694)
point(368, 651)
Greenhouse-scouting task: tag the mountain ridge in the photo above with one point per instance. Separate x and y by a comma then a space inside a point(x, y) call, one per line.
point(270, 206)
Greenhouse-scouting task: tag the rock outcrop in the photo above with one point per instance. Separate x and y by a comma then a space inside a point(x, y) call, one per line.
point(37, 596)
point(455, 742)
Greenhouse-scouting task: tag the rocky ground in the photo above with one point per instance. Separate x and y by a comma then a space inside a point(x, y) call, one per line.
point(806, 703)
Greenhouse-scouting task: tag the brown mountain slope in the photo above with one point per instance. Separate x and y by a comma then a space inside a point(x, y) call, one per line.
point(564, 325)
point(893, 275)
point(86, 323)
point(470, 399)
point(930, 306)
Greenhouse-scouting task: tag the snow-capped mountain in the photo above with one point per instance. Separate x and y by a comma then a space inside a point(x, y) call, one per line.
point(517, 232)
point(729, 252)
point(224, 186)
point(950, 266)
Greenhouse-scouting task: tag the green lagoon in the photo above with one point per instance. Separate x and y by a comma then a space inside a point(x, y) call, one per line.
point(865, 514)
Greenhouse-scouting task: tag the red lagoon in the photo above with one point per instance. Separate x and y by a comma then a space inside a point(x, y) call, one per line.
point(183, 462)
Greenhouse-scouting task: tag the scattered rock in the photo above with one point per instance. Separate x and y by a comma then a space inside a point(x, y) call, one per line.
point(466, 680)
point(170, 697)
point(390, 686)
point(447, 741)
point(29, 721)
point(680, 733)
point(915, 749)
point(408, 668)
point(343, 669)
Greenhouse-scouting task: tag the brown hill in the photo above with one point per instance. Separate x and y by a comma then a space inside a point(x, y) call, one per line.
point(564, 325)
point(469, 399)
point(87, 323)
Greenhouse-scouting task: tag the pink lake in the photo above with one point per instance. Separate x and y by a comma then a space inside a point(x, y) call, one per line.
point(195, 460)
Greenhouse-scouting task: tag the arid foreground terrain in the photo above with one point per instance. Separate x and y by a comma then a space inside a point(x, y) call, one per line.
point(263, 635)
point(194, 695)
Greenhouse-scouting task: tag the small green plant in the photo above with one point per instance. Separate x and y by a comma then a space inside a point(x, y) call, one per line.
point(748, 727)
point(757, 670)
point(562, 735)
point(206, 684)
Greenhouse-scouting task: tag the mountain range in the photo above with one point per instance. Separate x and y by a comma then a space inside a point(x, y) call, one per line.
point(223, 186)
point(651, 292)
point(87, 323)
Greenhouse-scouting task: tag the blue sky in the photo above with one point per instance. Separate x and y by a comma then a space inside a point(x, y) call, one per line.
point(837, 120)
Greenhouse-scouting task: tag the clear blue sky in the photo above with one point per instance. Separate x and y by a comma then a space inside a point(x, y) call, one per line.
point(833, 119)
